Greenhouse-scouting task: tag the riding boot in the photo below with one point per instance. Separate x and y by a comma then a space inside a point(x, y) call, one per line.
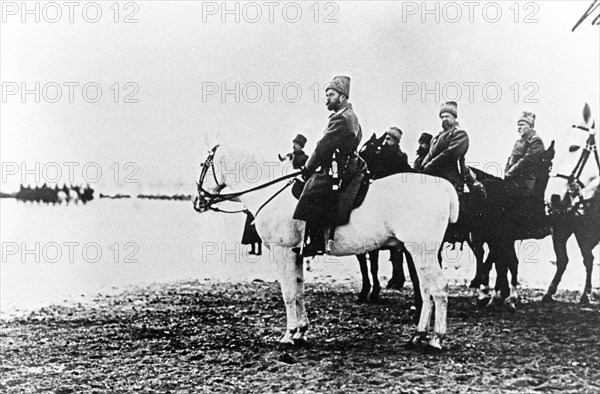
point(317, 240)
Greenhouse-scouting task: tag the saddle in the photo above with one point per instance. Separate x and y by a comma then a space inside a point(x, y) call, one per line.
point(355, 185)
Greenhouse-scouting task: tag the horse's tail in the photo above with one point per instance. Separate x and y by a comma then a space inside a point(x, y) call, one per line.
point(454, 204)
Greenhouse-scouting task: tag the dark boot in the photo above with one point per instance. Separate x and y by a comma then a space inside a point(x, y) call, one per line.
point(317, 240)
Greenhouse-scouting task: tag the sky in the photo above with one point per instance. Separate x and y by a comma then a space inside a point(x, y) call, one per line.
point(162, 79)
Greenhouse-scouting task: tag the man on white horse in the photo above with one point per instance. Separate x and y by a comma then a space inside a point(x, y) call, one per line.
point(332, 166)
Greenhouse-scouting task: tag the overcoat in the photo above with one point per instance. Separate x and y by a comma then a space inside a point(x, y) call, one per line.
point(319, 201)
point(447, 151)
point(522, 166)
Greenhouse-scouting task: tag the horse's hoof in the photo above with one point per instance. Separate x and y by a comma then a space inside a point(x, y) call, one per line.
point(547, 299)
point(362, 299)
point(395, 285)
point(414, 313)
point(511, 305)
point(494, 303)
point(416, 342)
point(584, 300)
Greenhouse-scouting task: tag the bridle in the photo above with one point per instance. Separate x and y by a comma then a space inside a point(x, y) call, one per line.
point(573, 180)
point(207, 200)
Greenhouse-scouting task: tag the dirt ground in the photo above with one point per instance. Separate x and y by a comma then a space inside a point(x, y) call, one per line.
point(196, 337)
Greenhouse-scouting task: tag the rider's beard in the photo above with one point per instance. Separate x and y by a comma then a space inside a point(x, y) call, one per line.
point(332, 104)
point(447, 124)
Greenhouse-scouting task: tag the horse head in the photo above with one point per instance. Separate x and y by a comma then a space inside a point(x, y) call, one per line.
point(576, 168)
point(209, 183)
point(370, 149)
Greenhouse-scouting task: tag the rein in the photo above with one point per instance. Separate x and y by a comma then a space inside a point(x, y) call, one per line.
point(210, 199)
point(590, 146)
point(573, 178)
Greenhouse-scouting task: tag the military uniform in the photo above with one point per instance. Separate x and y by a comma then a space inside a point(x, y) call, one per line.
point(318, 201)
point(445, 155)
point(527, 179)
point(522, 165)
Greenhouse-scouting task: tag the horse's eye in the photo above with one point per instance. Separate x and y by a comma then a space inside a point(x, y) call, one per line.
point(574, 148)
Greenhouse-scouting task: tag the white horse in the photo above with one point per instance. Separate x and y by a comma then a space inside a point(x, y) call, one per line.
point(411, 208)
point(573, 197)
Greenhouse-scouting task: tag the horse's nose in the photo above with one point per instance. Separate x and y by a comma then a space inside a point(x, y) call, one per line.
point(554, 200)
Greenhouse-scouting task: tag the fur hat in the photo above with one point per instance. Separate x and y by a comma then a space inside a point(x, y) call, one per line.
point(527, 117)
point(300, 140)
point(340, 84)
point(425, 138)
point(395, 133)
point(451, 107)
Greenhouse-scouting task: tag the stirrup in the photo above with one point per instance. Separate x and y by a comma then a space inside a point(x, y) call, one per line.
point(329, 246)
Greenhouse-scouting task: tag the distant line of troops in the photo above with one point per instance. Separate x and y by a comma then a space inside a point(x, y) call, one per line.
point(442, 156)
point(52, 195)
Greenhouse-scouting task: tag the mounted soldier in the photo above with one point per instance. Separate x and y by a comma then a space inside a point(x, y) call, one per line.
point(524, 174)
point(446, 155)
point(297, 156)
point(391, 158)
point(422, 151)
point(331, 168)
point(522, 165)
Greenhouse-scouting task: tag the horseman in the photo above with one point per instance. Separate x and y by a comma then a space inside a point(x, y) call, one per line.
point(391, 158)
point(522, 165)
point(446, 155)
point(297, 156)
point(422, 151)
point(524, 170)
point(331, 167)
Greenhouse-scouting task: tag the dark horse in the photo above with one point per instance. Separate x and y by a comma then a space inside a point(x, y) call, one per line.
point(457, 233)
point(573, 199)
point(503, 218)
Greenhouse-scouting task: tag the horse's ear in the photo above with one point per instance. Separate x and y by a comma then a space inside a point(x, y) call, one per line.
point(373, 137)
point(587, 113)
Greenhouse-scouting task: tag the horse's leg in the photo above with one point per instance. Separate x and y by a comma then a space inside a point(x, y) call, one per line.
point(302, 317)
point(396, 257)
point(484, 276)
point(366, 284)
point(513, 265)
point(586, 246)
point(374, 258)
point(559, 242)
point(286, 268)
point(433, 286)
point(501, 290)
point(414, 277)
point(478, 252)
